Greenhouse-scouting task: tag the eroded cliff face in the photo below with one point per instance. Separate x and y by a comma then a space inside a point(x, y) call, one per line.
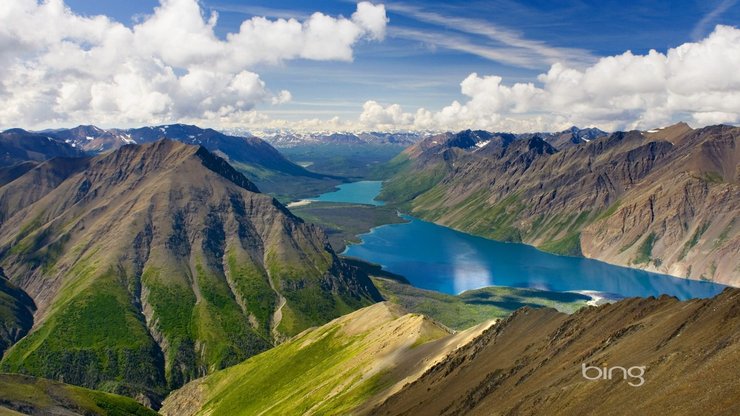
point(682, 218)
point(664, 201)
point(157, 264)
point(688, 229)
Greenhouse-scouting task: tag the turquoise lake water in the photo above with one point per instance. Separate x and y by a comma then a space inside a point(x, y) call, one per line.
point(362, 192)
point(438, 258)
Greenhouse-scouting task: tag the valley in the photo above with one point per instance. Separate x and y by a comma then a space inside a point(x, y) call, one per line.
point(162, 272)
point(444, 260)
point(369, 208)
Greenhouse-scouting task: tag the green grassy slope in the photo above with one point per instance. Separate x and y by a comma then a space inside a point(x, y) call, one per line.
point(474, 306)
point(343, 222)
point(328, 370)
point(30, 395)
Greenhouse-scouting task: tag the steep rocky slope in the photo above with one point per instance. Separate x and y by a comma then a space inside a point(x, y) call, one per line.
point(160, 263)
point(342, 367)
point(531, 363)
point(664, 200)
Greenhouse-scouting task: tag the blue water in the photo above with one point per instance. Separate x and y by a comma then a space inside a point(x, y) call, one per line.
point(439, 258)
point(362, 192)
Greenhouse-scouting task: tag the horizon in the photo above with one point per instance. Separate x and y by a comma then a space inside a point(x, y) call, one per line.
point(501, 66)
point(239, 132)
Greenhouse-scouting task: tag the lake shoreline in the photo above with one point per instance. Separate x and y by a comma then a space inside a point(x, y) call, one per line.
point(436, 257)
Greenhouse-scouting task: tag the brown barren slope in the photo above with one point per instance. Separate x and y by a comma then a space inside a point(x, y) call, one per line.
point(530, 363)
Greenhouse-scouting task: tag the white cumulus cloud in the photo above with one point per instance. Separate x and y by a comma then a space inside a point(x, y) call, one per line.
point(697, 82)
point(63, 68)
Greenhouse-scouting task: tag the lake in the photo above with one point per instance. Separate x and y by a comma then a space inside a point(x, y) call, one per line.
point(362, 192)
point(438, 258)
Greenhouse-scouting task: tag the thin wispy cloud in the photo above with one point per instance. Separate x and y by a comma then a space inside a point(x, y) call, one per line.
point(704, 25)
point(529, 53)
point(261, 11)
point(510, 56)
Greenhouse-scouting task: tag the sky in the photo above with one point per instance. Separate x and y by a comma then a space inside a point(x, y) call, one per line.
point(387, 65)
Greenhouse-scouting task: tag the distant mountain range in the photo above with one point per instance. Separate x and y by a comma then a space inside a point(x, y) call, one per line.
point(255, 158)
point(665, 200)
point(155, 264)
point(19, 146)
point(287, 138)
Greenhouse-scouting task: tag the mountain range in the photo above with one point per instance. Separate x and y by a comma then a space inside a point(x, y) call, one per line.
point(149, 263)
point(253, 157)
point(664, 200)
point(18, 146)
point(155, 264)
point(288, 138)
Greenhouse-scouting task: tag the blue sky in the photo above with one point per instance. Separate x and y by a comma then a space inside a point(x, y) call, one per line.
point(430, 47)
point(414, 72)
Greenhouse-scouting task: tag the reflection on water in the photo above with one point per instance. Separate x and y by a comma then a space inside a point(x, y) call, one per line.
point(438, 258)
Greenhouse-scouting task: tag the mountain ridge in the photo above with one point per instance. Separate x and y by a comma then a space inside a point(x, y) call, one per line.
point(530, 362)
point(189, 268)
point(252, 156)
point(581, 200)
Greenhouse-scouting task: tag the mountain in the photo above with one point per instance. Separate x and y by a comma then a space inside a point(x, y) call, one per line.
point(93, 139)
point(677, 358)
point(568, 138)
point(155, 264)
point(353, 361)
point(255, 158)
point(18, 146)
point(10, 173)
point(24, 395)
point(664, 200)
point(244, 153)
point(288, 138)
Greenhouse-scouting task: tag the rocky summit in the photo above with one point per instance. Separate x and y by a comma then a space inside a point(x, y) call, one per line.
point(159, 263)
